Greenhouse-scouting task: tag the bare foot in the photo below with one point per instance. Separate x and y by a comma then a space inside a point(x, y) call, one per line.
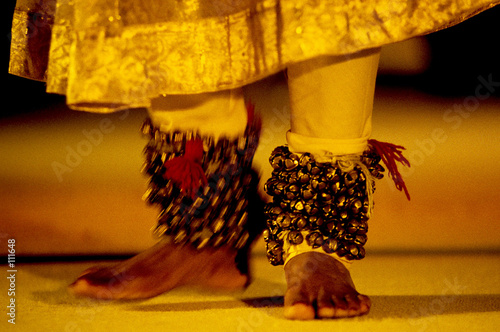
point(160, 269)
point(319, 286)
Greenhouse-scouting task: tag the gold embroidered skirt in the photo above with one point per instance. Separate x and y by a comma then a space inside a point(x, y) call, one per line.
point(109, 55)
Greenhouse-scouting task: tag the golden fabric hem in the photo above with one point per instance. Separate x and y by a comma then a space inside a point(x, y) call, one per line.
point(106, 56)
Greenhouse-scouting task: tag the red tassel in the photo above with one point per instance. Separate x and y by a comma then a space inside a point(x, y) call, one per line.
point(252, 120)
point(186, 170)
point(250, 112)
point(391, 154)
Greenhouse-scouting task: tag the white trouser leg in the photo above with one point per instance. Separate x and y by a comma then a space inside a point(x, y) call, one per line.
point(216, 114)
point(331, 102)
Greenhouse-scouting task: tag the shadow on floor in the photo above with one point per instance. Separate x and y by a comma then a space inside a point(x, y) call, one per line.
point(384, 306)
point(420, 306)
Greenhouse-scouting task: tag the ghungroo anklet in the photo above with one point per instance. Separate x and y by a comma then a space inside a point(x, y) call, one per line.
point(326, 205)
point(203, 187)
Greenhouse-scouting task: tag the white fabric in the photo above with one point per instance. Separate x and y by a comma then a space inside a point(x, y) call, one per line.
point(217, 114)
point(324, 149)
point(331, 101)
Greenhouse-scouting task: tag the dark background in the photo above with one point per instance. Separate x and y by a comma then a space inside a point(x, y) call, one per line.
point(458, 56)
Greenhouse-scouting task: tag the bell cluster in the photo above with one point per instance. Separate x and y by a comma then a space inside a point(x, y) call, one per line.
point(218, 213)
point(324, 204)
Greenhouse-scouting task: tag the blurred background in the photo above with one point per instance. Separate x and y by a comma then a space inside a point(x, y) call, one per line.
point(70, 182)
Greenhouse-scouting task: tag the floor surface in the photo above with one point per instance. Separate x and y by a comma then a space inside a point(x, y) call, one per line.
point(433, 292)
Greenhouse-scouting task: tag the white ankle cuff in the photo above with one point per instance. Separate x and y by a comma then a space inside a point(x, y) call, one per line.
point(324, 149)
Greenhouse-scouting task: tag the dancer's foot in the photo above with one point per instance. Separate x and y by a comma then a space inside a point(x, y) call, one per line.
point(321, 287)
point(159, 269)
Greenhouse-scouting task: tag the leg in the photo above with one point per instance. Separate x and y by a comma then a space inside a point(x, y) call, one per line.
point(331, 103)
point(206, 232)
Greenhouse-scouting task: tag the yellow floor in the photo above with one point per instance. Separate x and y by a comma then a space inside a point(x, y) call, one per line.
point(409, 292)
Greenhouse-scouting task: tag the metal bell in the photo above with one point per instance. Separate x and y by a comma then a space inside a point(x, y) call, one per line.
point(295, 237)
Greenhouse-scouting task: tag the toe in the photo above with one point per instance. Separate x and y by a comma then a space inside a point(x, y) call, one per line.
point(353, 305)
point(299, 311)
point(364, 304)
point(77, 286)
point(341, 306)
point(326, 311)
point(298, 304)
point(80, 287)
point(344, 306)
point(326, 308)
